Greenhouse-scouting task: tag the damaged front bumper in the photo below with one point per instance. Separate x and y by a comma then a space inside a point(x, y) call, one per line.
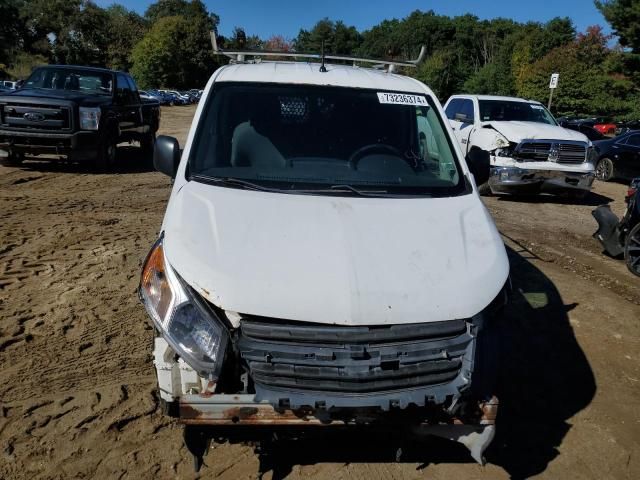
point(475, 429)
point(516, 180)
point(422, 379)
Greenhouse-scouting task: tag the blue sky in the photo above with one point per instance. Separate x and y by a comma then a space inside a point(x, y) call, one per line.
point(286, 17)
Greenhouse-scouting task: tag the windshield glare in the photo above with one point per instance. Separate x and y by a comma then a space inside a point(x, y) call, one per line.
point(94, 83)
point(500, 110)
point(313, 138)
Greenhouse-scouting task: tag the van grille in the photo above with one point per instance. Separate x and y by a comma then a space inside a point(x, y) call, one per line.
point(352, 360)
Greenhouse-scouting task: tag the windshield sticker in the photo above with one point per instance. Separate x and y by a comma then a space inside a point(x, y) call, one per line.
point(536, 107)
point(402, 99)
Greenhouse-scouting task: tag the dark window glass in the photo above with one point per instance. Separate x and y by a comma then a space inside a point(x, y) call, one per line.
point(453, 108)
point(634, 140)
point(467, 109)
point(123, 90)
point(68, 78)
point(294, 137)
point(508, 111)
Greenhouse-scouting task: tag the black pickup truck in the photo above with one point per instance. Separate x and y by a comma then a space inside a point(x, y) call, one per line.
point(80, 113)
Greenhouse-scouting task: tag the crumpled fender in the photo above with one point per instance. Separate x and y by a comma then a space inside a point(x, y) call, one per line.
point(488, 138)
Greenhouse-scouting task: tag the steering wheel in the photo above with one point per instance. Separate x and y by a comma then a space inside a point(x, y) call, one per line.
point(367, 149)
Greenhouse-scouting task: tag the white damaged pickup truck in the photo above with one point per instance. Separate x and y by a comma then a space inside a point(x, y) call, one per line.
point(530, 152)
point(325, 261)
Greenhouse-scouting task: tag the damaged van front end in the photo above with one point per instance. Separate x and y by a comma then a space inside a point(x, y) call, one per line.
point(325, 262)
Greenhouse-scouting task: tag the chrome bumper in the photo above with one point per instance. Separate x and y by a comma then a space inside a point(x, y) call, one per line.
point(521, 180)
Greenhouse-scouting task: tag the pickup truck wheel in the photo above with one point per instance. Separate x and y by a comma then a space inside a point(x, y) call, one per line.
point(605, 170)
point(106, 158)
point(632, 250)
point(147, 143)
point(485, 189)
point(12, 160)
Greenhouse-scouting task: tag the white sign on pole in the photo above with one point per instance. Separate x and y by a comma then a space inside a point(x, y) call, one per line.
point(554, 80)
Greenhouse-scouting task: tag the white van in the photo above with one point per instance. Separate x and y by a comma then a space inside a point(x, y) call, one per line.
point(325, 259)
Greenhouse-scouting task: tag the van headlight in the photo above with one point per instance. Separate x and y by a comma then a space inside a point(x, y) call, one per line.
point(90, 118)
point(187, 323)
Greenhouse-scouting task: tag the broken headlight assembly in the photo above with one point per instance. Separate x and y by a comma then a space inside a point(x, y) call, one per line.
point(187, 323)
point(504, 151)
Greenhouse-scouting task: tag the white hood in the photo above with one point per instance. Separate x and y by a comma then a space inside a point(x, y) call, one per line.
point(517, 131)
point(335, 260)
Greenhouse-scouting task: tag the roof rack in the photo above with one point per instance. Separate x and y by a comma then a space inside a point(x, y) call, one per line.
point(240, 56)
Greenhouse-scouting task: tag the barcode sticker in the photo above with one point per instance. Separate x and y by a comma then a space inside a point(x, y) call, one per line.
point(402, 99)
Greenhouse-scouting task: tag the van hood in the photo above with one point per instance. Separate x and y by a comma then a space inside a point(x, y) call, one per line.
point(335, 260)
point(516, 131)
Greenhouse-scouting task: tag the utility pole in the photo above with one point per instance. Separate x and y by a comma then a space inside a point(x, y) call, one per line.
point(553, 84)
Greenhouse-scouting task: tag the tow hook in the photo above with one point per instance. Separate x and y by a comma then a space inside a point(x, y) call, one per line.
point(197, 443)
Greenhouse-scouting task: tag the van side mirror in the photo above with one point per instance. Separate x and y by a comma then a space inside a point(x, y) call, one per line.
point(166, 155)
point(462, 117)
point(478, 162)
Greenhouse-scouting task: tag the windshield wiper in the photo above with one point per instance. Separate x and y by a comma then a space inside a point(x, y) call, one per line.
point(236, 182)
point(361, 193)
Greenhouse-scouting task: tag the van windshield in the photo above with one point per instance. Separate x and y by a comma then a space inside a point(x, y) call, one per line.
point(313, 138)
point(504, 110)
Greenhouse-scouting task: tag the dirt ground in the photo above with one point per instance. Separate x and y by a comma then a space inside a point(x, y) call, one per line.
point(77, 384)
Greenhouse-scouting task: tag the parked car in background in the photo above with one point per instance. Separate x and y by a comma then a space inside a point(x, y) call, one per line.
point(176, 97)
point(80, 113)
point(163, 98)
point(196, 93)
point(589, 132)
point(193, 98)
point(146, 96)
point(619, 157)
point(530, 152)
point(605, 126)
point(624, 127)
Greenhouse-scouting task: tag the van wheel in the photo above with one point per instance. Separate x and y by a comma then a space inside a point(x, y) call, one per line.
point(632, 250)
point(106, 159)
point(605, 170)
point(12, 160)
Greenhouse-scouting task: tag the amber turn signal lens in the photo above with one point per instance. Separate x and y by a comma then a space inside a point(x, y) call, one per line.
point(154, 285)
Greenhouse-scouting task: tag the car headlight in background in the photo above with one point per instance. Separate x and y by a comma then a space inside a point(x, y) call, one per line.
point(90, 118)
point(187, 323)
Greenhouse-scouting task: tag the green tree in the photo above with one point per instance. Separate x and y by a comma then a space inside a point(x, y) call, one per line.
point(11, 28)
point(440, 72)
point(624, 17)
point(126, 28)
point(338, 38)
point(194, 9)
point(587, 86)
point(176, 52)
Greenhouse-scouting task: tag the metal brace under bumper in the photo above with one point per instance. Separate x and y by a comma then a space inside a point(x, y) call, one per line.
point(229, 410)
